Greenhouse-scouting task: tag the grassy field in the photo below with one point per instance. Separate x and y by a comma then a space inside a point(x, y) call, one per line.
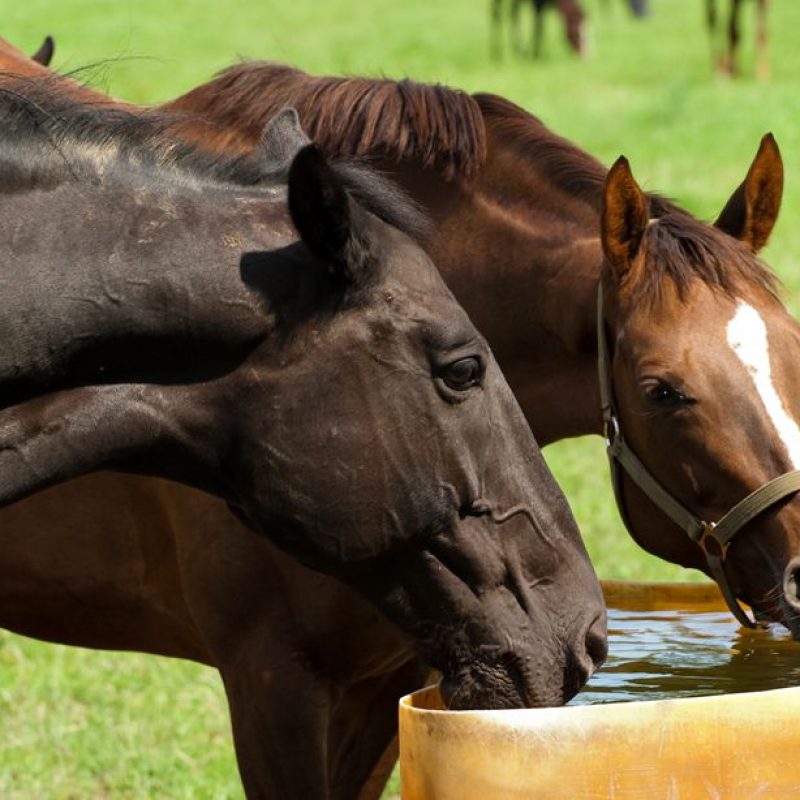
point(78, 724)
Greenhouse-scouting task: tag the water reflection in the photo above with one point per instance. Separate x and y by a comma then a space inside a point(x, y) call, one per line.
point(655, 655)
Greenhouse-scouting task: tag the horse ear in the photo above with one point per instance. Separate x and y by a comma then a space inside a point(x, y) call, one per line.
point(320, 207)
point(44, 55)
point(751, 212)
point(281, 140)
point(624, 217)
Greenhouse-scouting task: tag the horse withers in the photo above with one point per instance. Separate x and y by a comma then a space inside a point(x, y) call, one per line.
point(330, 390)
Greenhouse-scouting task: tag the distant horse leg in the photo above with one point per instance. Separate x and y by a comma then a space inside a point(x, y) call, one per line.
point(762, 40)
point(731, 63)
point(538, 25)
point(496, 29)
point(711, 21)
point(516, 39)
point(363, 733)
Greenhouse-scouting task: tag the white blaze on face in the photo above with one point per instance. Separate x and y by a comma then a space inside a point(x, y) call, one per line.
point(747, 335)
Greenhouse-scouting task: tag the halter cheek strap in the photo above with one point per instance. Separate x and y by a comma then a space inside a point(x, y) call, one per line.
point(713, 538)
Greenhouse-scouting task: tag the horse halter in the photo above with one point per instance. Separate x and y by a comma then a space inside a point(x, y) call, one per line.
point(713, 538)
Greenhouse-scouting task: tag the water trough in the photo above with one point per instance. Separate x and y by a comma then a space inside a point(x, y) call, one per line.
point(722, 724)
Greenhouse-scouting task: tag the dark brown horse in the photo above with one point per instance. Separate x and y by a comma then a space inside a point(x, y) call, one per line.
point(570, 11)
point(488, 172)
point(725, 52)
point(174, 325)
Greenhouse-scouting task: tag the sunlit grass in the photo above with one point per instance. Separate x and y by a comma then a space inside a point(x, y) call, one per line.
point(78, 724)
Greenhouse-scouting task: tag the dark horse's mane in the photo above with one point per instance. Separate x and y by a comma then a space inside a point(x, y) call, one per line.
point(83, 137)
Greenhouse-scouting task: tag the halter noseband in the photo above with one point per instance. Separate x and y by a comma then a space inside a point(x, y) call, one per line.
point(713, 538)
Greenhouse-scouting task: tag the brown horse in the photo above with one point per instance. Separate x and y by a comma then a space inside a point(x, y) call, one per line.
point(277, 373)
point(571, 12)
point(725, 54)
point(500, 179)
point(489, 172)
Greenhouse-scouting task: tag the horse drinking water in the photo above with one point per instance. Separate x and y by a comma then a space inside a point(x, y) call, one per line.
point(331, 390)
point(490, 173)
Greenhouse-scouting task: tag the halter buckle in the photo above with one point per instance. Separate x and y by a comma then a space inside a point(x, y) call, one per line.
point(709, 543)
point(611, 431)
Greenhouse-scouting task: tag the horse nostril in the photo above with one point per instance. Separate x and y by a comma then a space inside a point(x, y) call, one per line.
point(791, 584)
point(597, 642)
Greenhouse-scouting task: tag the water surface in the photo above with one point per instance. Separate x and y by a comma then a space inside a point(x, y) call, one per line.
point(655, 655)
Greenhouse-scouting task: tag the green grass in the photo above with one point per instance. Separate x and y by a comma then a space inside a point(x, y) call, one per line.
point(79, 724)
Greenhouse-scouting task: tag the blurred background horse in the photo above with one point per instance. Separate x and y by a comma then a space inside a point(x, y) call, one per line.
point(725, 42)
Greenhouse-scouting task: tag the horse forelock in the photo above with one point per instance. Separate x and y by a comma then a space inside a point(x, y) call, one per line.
point(682, 249)
point(440, 127)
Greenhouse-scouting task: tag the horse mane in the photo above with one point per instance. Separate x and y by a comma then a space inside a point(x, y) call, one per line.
point(83, 136)
point(442, 128)
point(682, 247)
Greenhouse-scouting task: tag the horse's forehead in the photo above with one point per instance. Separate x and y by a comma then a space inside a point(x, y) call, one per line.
point(697, 314)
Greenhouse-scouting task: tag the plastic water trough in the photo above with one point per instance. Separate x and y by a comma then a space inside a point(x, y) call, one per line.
point(727, 746)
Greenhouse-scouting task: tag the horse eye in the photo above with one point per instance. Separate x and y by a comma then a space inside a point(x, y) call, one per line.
point(665, 396)
point(463, 374)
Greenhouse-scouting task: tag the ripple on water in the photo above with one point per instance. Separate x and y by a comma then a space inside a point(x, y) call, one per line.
point(656, 655)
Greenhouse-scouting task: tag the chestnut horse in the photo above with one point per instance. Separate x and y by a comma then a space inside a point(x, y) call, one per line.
point(488, 172)
point(725, 54)
point(329, 389)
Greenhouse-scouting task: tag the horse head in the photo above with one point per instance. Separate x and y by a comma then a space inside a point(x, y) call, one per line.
point(702, 379)
point(395, 458)
point(348, 409)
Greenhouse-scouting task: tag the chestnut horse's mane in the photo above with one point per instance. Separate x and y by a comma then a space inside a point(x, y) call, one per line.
point(439, 127)
point(682, 247)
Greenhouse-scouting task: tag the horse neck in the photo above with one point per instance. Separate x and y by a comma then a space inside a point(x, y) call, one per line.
point(522, 254)
point(113, 284)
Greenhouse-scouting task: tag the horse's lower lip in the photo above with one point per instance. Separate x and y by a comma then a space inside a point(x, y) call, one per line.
point(465, 690)
point(457, 698)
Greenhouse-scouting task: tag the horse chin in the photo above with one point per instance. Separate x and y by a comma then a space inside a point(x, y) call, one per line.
point(492, 685)
point(493, 690)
